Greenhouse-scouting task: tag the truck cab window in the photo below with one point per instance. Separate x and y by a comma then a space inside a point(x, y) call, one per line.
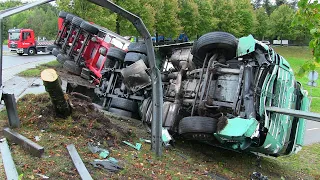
point(26, 35)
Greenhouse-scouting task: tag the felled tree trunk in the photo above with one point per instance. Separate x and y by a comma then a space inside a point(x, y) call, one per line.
point(52, 84)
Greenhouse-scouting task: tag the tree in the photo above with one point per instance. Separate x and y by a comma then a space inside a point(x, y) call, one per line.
point(257, 4)
point(206, 22)
point(167, 22)
point(245, 17)
point(280, 2)
point(268, 6)
point(280, 22)
point(225, 11)
point(189, 16)
point(309, 17)
point(262, 23)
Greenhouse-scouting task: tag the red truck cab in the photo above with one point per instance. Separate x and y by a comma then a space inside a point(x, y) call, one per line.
point(23, 42)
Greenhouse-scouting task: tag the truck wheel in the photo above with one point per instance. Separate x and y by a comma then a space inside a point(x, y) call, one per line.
point(120, 112)
point(72, 67)
point(198, 127)
point(222, 42)
point(125, 104)
point(138, 47)
point(63, 14)
point(70, 17)
point(109, 63)
point(132, 57)
point(116, 53)
point(77, 21)
point(89, 28)
point(55, 52)
point(61, 58)
point(32, 51)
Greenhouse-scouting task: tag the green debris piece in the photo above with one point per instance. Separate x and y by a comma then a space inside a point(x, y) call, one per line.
point(104, 154)
point(137, 146)
point(145, 140)
point(113, 160)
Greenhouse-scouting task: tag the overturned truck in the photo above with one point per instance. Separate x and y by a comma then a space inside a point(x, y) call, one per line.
point(217, 89)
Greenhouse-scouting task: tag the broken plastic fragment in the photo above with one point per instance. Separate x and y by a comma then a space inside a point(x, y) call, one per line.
point(137, 146)
point(166, 138)
point(43, 176)
point(145, 140)
point(104, 154)
point(106, 164)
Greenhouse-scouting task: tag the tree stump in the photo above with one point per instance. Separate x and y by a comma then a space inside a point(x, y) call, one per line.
point(52, 85)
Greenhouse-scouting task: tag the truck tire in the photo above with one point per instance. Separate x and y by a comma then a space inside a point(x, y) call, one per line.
point(63, 14)
point(89, 28)
point(55, 52)
point(222, 42)
point(138, 47)
point(62, 58)
point(32, 51)
point(72, 67)
point(124, 104)
point(69, 17)
point(132, 57)
point(77, 21)
point(198, 127)
point(116, 53)
point(109, 63)
point(120, 112)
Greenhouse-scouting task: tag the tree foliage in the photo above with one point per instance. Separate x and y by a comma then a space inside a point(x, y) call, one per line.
point(262, 23)
point(266, 19)
point(189, 16)
point(280, 22)
point(308, 16)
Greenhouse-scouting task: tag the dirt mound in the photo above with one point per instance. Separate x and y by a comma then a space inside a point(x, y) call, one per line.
point(85, 120)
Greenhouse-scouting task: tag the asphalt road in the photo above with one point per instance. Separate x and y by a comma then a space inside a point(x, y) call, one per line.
point(15, 60)
point(312, 134)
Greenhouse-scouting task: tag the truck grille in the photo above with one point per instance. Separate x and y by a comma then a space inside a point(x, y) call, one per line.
point(13, 45)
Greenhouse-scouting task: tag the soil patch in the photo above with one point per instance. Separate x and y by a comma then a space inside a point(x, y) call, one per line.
point(85, 119)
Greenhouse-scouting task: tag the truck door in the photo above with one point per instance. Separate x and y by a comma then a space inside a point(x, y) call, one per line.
point(27, 39)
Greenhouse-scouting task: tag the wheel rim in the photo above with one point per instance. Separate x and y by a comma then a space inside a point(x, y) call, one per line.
point(31, 51)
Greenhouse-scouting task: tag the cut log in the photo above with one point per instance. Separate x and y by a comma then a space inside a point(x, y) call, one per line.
point(52, 85)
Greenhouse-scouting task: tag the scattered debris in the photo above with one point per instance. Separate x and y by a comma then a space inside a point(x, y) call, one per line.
point(35, 85)
point(145, 140)
point(166, 138)
point(106, 164)
point(96, 149)
point(37, 138)
point(42, 130)
point(137, 146)
point(113, 160)
point(104, 154)
point(258, 176)
point(43, 176)
point(78, 162)
point(30, 146)
point(9, 166)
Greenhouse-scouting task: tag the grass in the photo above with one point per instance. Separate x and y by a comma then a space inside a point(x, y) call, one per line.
point(297, 56)
point(35, 72)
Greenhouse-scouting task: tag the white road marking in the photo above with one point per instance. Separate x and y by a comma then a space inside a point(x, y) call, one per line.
point(312, 129)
